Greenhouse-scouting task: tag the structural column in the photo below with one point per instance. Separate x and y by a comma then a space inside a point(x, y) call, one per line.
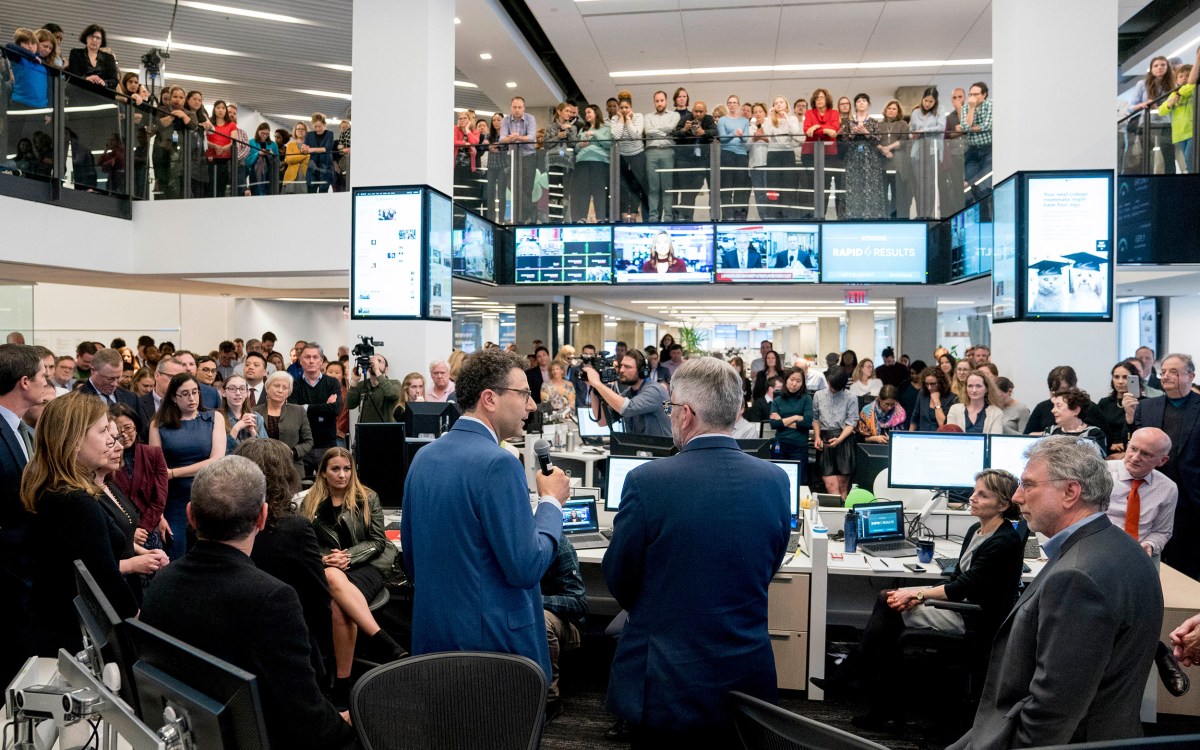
point(403, 55)
point(860, 332)
point(589, 330)
point(533, 323)
point(829, 338)
point(918, 320)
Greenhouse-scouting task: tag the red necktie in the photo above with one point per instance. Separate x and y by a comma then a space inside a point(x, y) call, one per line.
point(251, 399)
point(1133, 510)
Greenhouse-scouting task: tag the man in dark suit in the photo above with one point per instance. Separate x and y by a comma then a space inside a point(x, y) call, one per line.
point(1070, 662)
point(147, 405)
point(217, 600)
point(22, 386)
point(106, 374)
point(795, 256)
point(1177, 413)
point(690, 640)
point(539, 373)
point(321, 397)
point(473, 550)
point(742, 255)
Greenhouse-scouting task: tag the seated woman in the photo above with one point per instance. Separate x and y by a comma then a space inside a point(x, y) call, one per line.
point(987, 574)
point(286, 422)
point(1118, 424)
point(878, 418)
point(412, 388)
point(980, 412)
point(863, 381)
point(1068, 406)
point(358, 557)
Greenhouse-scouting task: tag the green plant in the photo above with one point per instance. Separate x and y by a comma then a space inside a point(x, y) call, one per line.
point(691, 339)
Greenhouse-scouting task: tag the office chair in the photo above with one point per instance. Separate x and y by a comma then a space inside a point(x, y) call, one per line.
point(1178, 742)
point(451, 700)
point(759, 726)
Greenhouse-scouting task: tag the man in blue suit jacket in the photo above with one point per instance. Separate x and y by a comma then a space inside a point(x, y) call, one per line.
point(106, 374)
point(691, 639)
point(473, 550)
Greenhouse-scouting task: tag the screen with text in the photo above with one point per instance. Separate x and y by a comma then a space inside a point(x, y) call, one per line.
point(892, 253)
point(935, 460)
point(388, 273)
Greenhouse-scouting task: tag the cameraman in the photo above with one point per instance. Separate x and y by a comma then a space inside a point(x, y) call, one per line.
point(639, 403)
point(377, 395)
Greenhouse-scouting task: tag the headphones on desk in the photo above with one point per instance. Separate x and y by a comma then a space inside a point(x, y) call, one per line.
point(642, 365)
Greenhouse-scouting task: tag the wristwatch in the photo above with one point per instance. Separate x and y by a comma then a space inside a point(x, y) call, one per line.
point(921, 596)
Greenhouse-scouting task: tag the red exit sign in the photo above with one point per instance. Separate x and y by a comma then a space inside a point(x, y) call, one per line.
point(856, 297)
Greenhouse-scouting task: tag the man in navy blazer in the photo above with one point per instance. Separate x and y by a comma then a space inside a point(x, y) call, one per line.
point(474, 551)
point(22, 386)
point(103, 382)
point(691, 639)
point(1177, 413)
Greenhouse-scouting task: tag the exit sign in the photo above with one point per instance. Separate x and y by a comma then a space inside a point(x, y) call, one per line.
point(856, 297)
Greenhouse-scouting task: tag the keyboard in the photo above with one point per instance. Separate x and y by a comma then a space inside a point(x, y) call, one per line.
point(588, 541)
point(902, 548)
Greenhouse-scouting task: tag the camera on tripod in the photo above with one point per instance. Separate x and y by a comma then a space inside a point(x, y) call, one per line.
point(603, 363)
point(363, 351)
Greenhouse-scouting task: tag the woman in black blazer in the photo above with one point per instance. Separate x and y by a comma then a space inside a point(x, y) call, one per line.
point(59, 488)
point(90, 63)
point(988, 573)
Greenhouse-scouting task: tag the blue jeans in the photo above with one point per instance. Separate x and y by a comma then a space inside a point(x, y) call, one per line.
point(660, 183)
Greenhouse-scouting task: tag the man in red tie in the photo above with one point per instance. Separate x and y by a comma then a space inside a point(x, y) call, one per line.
point(1143, 499)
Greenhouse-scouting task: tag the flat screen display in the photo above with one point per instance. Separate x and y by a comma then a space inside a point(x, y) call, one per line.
point(1004, 257)
point(1008, 452)
point(892, 253)
point(792, 469)
point(1157, 220)
point(474, 247)
point(971, 241)
point(1069, 251)
point(618, 468)
point(663, 253)
point(589, 427)
point(441, 255)
point(768, 253)
point(387, 270)
point(563, 255)
point(935, 460)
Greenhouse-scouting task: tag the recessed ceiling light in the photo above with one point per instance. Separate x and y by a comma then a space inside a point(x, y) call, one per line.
point(795, 68)
point(303, 118)
point(465, 85)
point(511, 84)
point(180, 46)
point(243, 12)
point(485, 55)
point(335, 66)
point(326, 94)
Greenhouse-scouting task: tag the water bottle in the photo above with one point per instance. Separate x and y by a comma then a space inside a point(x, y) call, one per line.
point(851, 531)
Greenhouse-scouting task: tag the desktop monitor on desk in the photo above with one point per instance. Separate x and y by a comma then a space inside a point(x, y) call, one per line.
point(1008, 452)
point(636, 444)
point(759, 447)
point(591, 432)
point(935, 460)
point(430, 418)
point(618, 468)
point(792, 469)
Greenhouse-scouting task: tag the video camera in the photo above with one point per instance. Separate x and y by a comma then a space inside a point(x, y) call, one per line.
point(363, 351)
point(603, 363)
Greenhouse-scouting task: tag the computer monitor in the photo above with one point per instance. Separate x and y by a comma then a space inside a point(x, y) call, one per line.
point(219, 701)
point(637, 444)
point(935, 460)
point(792, 469)
point(1008, 452)
point(590, 431)
point(760, 447)
point(618, 468)
point(430, 418)
point(106, 636)
point(380, 454)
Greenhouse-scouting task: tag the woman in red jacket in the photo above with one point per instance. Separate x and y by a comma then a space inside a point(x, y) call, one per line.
point(466, 138)
point(220, 147)
point(821, 123)
point(142, 478)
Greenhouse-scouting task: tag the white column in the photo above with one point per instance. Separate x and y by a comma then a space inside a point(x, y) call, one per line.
point(860, 332)
point(403, 88)
point(829, 338)
point(1025, 35)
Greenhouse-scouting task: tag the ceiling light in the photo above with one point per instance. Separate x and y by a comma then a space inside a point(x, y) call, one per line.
point(482, 112)
point(326, 94)
point(335, 66)
point(465, 85)
point(243, 12)
point(180, 46)
point(794, 68)
point(302, 118)
point(485, 56)
point(511, 84)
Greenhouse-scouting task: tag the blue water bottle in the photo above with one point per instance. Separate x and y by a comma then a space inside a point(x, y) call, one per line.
point(851, 531)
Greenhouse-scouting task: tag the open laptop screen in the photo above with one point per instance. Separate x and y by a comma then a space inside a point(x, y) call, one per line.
point(880, 522)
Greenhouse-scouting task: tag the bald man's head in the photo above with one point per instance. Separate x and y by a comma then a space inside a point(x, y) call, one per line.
point(1148, 449)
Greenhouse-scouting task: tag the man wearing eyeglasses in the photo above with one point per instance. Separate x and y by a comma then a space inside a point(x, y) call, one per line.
point(1069, 663)
point(473, 550)
point(639, 403)
point(104, 378)
point(1177, 413)
point(691, 639)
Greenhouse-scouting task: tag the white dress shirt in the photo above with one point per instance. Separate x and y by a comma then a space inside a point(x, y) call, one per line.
point(1158, 496)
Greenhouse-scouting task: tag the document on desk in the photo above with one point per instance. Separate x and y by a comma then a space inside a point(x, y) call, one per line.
point(885, 564)
point(853, 561)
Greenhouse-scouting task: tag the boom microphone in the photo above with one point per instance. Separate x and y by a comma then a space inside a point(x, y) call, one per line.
point(542, 449)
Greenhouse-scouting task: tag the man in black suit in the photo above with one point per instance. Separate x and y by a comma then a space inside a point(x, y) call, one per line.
point(22, 386)
point(106, 374)
point(321, 397)
point(742, 255)
point(539, 373)
point(1177, 413)
point(148, 405)
point(795, 256)
point(217, 600)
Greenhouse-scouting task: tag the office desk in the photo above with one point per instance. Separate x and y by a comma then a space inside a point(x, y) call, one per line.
point(1181, 600)
point(584, 457)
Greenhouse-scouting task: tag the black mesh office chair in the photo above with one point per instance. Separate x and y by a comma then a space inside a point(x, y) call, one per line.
point(761, 726)
point(1178, 742)
point(451, 700)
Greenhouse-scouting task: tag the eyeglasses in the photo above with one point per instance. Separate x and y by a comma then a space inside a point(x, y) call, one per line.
point(236, 389)
point(128, 430)
point(525, 393)
point(669, 406)
point(187, 394)
point(1176, 373)
point(1030, 484)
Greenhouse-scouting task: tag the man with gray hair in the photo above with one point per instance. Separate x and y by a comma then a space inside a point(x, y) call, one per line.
point(1070, 662)
point(321, 397)
point(695, 638)
point(441, 389)
point(215, 599)
point(1143, 499)
point(105, 377)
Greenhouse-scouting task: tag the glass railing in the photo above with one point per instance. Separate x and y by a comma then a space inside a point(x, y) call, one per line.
point(888, 174)
point(1150, 139)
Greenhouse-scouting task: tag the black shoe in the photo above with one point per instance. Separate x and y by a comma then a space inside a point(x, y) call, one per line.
point(340, 695)
point(382, 648)
point(618, 732)
point(554, 707)
point(1173, 678)
point(820, 683)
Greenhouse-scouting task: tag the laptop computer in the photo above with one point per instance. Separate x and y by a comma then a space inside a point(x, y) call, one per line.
point(581, 524)
point(881, 530)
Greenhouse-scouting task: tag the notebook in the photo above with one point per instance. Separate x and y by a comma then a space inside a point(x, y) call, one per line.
point(581, 523)
point(881, 530)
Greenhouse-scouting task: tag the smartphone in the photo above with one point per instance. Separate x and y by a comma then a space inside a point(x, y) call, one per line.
point(1134, 385)
point(914, 567)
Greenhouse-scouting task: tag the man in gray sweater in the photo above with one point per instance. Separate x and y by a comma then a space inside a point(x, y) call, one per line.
point(660, 156)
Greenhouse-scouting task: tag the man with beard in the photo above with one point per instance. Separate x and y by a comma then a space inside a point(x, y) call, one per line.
point(639, 403)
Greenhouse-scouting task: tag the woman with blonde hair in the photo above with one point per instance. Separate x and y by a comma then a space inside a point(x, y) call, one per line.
point(981, 409)
point(58, 487)
point(296, 161)
point(662, 256)
point(455, 362)
point(347, 517)
point(628, 128)
point(784, 134)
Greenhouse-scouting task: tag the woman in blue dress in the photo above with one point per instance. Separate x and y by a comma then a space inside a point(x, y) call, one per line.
point(191, 437)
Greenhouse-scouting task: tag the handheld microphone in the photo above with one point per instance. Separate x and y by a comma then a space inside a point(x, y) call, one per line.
point(542, 449)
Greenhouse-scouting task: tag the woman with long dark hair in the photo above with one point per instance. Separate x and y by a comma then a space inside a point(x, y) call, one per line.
point(497, 173)
point(592, 157)
point(220, 147)
point(835, 416)
point(792, 419)
point(142, 477)
point(1149, 94)
point(772, 368)
point(933, 401)
point(928, 128)
point(1118, 425)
